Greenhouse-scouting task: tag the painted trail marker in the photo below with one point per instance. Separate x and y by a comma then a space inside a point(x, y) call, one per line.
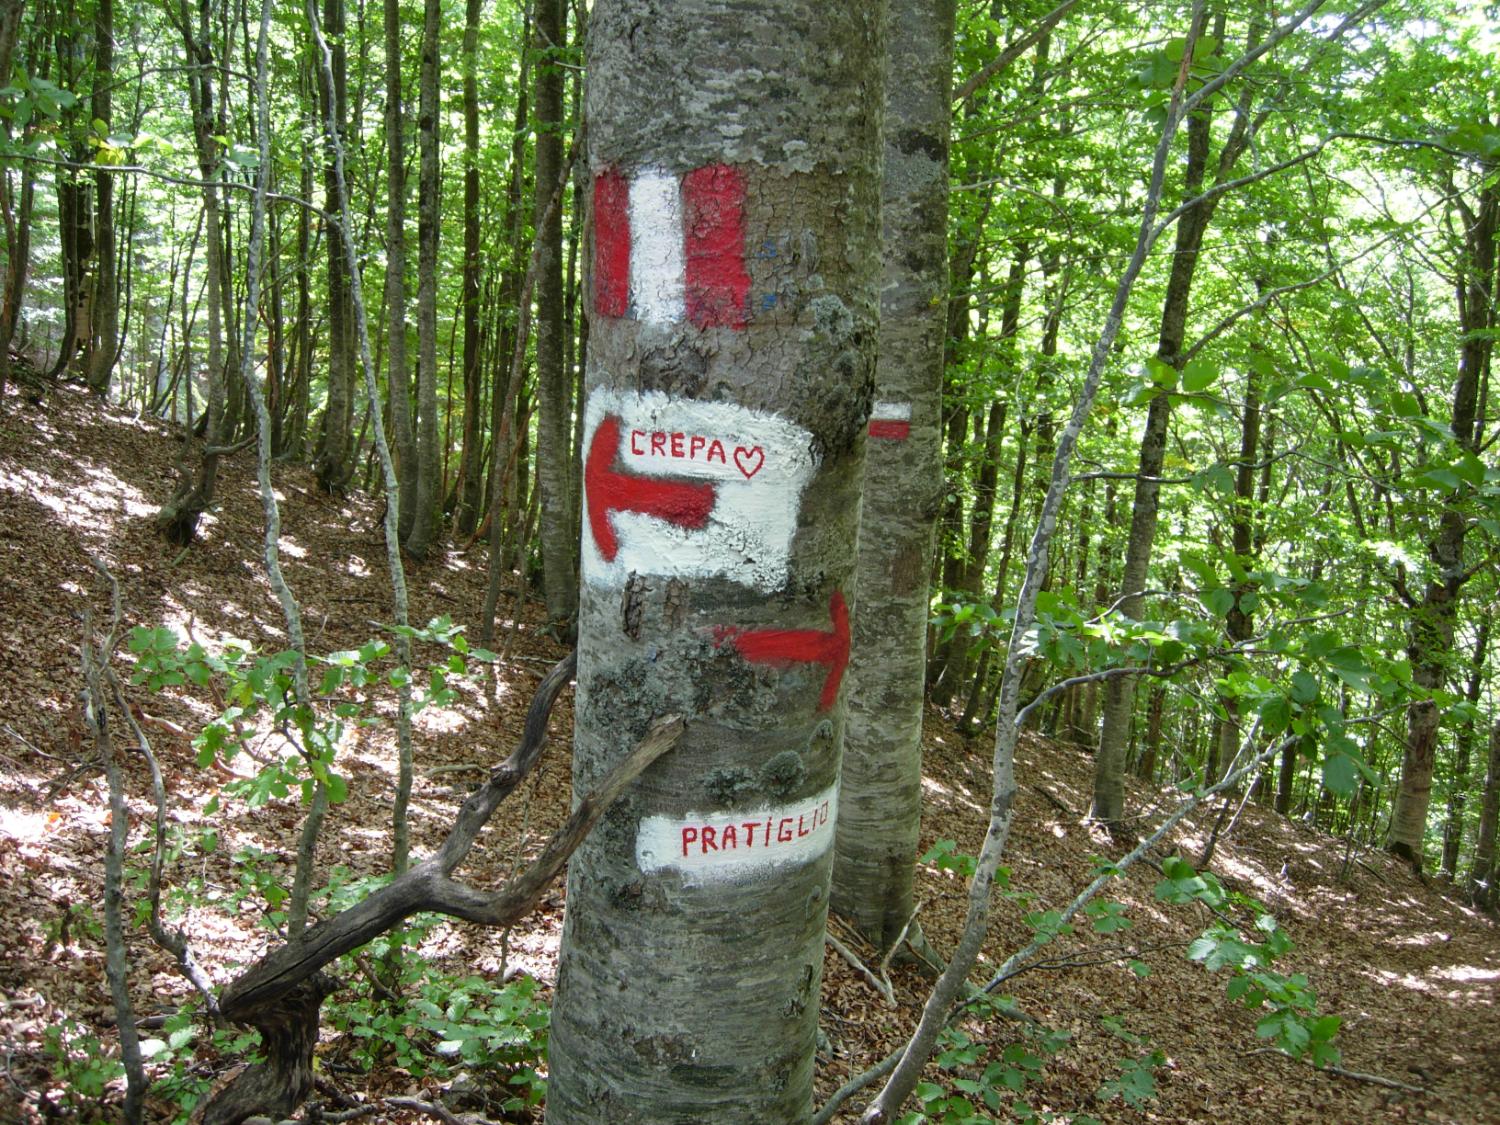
point(721, 846)
point(781, 648)
point(669, 249)
point(690, 489)
point(890, 421)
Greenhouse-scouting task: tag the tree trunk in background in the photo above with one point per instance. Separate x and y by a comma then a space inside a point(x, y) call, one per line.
point(334, 462)
point(554, 397)
point(398, 378)
point(1432, 615)
point(1468, 735)
point(15, 207)
point(1119, 694)
point(880, 794)
point(1482, 874)
point(471, 477)
point(105, 305)
point(1239, 623)
point(728, 394)
point(428, 492)
point(178, 517)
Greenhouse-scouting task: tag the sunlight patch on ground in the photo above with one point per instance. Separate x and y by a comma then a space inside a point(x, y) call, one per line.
point(357, 567)
point(1264, 886)
point(1465, 974)
point(440, 720)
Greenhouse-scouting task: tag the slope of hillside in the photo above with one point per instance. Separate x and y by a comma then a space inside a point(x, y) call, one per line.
point(1411, 971)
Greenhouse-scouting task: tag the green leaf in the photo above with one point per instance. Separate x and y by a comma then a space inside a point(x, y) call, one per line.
point(1219, 601)
point(1276, 714)
point(1340, 775)
point(1198, 376)
point(1304, 687)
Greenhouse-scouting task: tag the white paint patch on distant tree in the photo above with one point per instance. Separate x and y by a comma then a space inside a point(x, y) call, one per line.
point(690, 489)
point(656, 247)
point(720, 846)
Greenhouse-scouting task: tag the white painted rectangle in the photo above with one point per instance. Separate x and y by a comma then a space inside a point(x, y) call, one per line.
point(656, 247)
point(722, 846)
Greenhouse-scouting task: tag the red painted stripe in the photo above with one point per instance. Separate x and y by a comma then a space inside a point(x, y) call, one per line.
point(890, 429)
point(717, 284)
point(611, 243)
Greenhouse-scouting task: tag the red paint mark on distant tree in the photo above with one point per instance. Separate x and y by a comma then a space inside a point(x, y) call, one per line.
point(781, 648)
point(609, 490)
point(611, 243)
point(891, 421)
point(889, 430)
point(717, 283)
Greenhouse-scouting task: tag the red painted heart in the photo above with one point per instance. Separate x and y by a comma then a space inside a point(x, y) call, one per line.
point(749, 460)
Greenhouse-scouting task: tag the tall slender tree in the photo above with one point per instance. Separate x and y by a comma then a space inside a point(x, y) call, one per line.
point(730, 369)
point(881, 786)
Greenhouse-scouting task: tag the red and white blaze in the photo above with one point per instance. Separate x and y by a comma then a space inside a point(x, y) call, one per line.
point(891, 421)
point(671, 248)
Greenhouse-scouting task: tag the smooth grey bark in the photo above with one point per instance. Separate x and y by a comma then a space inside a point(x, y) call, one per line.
point(104, 339)
point(334, 462)
point(398, 375)
point(684, 999)
point(428, 493)
point(470, 487)
point(554, 426)
point(178, 517)
point(880, 792)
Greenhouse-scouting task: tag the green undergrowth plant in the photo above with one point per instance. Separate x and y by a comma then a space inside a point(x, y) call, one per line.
point(983, 1076)
point(255, 691)
point(1286, 1003)
point(432, 1023)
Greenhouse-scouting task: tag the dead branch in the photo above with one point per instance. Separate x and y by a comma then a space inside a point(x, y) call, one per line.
point(281, 993)
point(1352, 1075)
point(883, 988)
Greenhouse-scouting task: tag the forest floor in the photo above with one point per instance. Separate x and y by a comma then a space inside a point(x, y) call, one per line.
point(1411, 970)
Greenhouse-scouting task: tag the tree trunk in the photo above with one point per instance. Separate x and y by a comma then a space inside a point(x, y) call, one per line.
point(554, 405)
point(1432, 615)
point(15, 206)
point(470, 477)
point(398, 378)
point(880, 792)
point(728, 393)
point(178, 518)
point(105, 304)
point(1119, 693)
point(429, 457)
point(1458, 793)
point(335, 460)
point(1482, 874)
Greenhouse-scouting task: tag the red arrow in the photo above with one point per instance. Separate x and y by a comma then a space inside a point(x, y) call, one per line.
point(677, 502)
point(782, 648)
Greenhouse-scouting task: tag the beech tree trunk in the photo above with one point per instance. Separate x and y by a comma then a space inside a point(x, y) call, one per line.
point(1482, 875)
point(470, 475)
point(335, 460)
point(398, 374)
point(427, 493)
point(730, 374)
point(880, 795)
point(1119, 693)
point(554, 400)
point(1433, 613)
